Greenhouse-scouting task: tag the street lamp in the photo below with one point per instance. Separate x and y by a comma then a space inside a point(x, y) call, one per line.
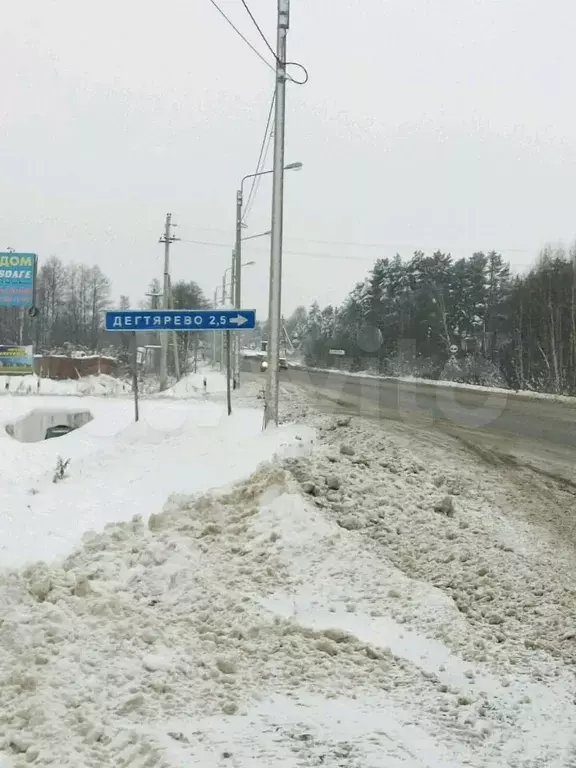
point(229, 337)
point(232, 268)
point(238, 251)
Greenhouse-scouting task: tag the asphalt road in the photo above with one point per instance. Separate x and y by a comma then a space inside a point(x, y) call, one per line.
point(539, 433)
point(508, 414)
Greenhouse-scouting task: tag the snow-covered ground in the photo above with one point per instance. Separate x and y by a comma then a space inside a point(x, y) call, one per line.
point(119, 468)
point(206, 381)
point(368, 599)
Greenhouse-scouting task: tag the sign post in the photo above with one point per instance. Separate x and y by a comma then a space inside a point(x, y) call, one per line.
point(181, 320)
point(135, 376)
point(228, 342)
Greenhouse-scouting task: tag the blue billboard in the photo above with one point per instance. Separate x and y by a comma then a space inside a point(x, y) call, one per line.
point(17, 279)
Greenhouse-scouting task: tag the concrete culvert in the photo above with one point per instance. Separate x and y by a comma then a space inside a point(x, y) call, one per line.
point(42, 424)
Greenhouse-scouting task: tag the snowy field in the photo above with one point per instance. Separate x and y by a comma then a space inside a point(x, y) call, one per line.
point(119, 468)
point(366, 599)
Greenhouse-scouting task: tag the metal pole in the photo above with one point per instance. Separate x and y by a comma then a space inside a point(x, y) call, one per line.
point(275, 298)
point(135, 376)
point(228, 392)
point(222, 336)
point(214, 334)
point(165, 304)
point(238, 282)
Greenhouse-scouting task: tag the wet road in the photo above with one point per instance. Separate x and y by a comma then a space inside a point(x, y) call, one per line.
point(537, 433)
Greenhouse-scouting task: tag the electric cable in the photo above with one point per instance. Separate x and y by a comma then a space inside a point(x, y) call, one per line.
point(245, 39)
point(261, 160)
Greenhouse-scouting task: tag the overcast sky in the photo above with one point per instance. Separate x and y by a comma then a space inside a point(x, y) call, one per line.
point(446, 124)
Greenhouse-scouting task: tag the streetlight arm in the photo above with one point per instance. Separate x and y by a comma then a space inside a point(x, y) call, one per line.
point(289, 167)
point(260, 234)
point(251, 176)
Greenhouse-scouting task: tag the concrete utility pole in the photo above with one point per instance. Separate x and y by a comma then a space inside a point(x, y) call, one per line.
point(167, 238)
point(155, 297)
point(275, 298)
point(174, 336)
point(238, 281)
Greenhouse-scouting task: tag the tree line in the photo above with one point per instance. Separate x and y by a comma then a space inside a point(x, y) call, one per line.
point(466, 319)
point(433, 316)
point(71, 300)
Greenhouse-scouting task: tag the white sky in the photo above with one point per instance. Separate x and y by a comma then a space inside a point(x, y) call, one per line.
point(445, 124)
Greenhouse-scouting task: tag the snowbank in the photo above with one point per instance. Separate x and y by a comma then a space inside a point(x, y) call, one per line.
point(119, 468)
point(247, 628)
point(444, 383)
point(192, 385)
point(365, 602)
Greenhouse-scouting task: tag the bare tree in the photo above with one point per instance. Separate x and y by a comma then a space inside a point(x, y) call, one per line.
point(99, 288)
point(51, 294)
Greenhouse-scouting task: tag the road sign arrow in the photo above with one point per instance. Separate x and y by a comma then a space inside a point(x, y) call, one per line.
point(239, 320)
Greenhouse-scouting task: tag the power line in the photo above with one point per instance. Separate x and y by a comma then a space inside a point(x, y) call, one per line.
point(258, 179)
point(273, 52)
point(245, 39)
point(291, 253)
point(262, 35)
point(261, 159)
point(352, 244)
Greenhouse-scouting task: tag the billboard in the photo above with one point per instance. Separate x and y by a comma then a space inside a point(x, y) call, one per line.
point(16, 361)
point(17, 279)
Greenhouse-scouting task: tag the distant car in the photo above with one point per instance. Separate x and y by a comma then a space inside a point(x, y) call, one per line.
point(282, 364)
point(58, 431)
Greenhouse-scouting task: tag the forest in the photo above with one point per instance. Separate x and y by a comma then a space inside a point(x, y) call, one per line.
point(469, 320)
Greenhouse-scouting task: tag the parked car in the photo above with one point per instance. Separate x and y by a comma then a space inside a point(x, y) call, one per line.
point(58, 431)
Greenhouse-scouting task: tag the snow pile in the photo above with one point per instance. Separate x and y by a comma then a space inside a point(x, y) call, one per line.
point(293, 406)
point(159, 621)
point(192, 385)
point(88, 385)
point(118, 468)
point(437, 518)
point(246, 628)
point(529, 393)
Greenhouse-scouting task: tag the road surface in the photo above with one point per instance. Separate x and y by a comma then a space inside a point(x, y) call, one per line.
point(538, 433)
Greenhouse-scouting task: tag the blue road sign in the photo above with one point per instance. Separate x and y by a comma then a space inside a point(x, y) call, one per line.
point(17, 279)
point(181, 320)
